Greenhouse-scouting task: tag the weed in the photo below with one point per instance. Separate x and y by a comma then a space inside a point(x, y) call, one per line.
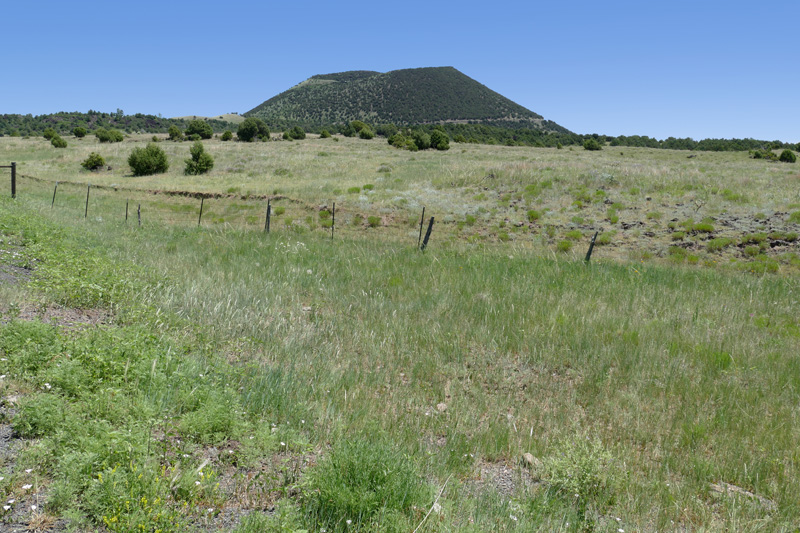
point(564, 246)
point(373, 221)
point(365, 484)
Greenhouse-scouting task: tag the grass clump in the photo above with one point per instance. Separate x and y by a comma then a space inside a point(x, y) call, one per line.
point(718, 244)
point(703, 227)
point(374, 221)
point(367, 486)
point(574, 235)
point(582, 473)
point(353, 190)
point(564, 246)
point(534, 215)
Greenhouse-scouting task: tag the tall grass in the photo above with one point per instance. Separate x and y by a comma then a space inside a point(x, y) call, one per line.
point(467, 357)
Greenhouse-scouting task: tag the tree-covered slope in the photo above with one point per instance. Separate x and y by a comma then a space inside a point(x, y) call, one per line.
point(408, 96)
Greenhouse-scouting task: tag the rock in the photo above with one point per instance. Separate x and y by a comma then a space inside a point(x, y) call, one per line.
point(731, 490)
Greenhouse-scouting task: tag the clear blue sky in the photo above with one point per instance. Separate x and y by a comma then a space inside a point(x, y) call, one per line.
point(668, 68)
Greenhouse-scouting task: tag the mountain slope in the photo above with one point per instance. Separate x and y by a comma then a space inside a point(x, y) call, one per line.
point(408, 96)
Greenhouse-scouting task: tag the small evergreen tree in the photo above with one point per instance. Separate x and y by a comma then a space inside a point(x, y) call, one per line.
point(366, 132)
point(227, 135)
point(108, 136)
point(148, 161)
point(58, 142)
point(93, 162)
point(200, 162)
point(49, 133)
point(421, 139)
point(324, 134)
point(440, 140)
point(297, 133)
point(591, 144)
point(79, 132)
point(175, 133)
point(201, 128)
point(787, 156)
point(251, 129)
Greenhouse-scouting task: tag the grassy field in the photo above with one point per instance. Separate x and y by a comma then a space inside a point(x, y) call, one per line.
point(229, 379)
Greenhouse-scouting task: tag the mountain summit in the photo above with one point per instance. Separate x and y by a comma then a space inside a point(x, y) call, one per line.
point(433, 95)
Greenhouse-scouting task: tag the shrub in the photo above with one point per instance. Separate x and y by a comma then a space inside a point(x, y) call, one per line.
point(366, 133)
point(200, 162)
point(533, 215)
point(353, 190)
point(373, 485)
point(93, 162)
point(787, 156)
point(297, 133)
point(58, 142)
point(440, 140)
point(201, 128)
point(421, 139)
point(49, 133)
point(278, 210)
point(582, 473)
point(324, 134)
point(373, 221)
point(592, 145)
point(175, 133)
point(155, 139)
point(251, 129)
point(108, 136)
point(79, 132)
point(227, 135)
point(148, 161)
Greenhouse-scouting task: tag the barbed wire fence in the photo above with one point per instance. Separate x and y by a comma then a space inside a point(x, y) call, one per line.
point(267, 213)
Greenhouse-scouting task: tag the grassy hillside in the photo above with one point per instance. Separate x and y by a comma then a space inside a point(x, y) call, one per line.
point(409, 96)
point(226, 378)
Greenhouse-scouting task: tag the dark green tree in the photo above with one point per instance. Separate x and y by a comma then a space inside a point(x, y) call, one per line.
point(49, 133)
point(591, 144)
point(787, 156)
point(175, 133)
point(421, 139)
point(440, 140)
point(200, 162)
point(93, 162)
point(227, 135)
point(79, 132)
point(58, 142)
point(251, 129)
point(201, 128)
point(148, 161)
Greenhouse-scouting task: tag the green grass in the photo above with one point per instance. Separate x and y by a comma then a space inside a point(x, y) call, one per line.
point(636, 384)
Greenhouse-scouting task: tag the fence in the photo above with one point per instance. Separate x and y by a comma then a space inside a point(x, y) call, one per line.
point(268, 213)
